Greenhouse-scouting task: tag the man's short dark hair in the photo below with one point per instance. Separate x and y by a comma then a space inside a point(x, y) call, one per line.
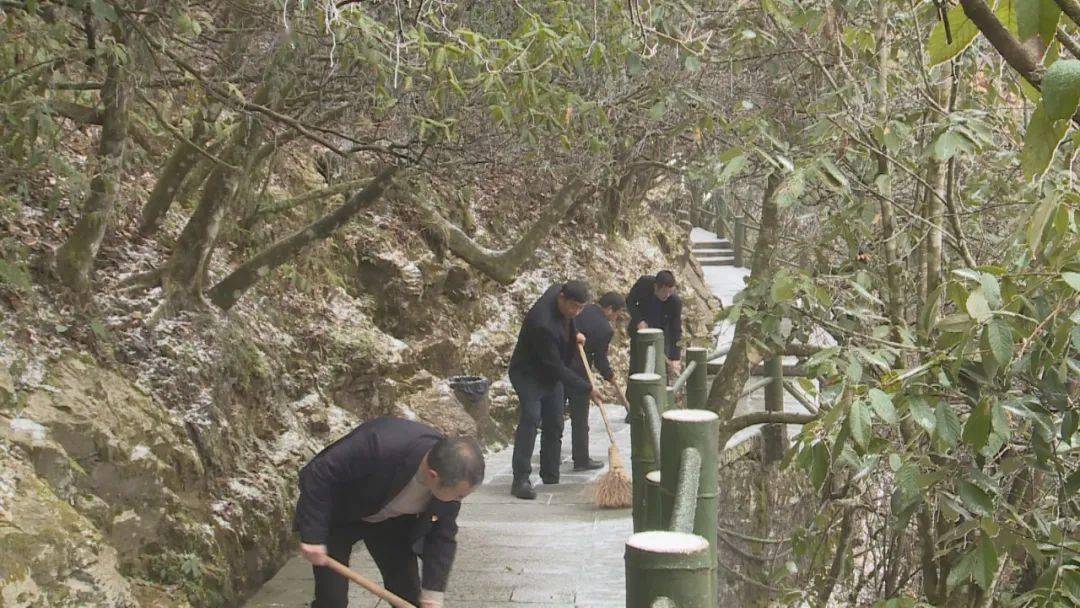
point(577, 291)
point(665, 278)
point(457, 459)
point(612, 300)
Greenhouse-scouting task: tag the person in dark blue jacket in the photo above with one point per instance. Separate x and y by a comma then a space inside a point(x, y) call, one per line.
point(397, 485)
point(596, 322)
point(540, 369)
point(652, 302)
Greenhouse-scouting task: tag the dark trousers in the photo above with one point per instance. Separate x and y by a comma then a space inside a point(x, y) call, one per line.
point(536, 403)
point(579, 426)
point(389, 543)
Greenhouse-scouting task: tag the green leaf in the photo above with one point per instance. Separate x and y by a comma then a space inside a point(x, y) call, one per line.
point(1000, 339)
point(977, 427)
point(883, 405)
point(950, 143)
point(961, 572)
point(999, 421)
point(1039, 218)
point(922, 414)
point(1041, 142)
point(819, 464)
point(103, 10)
point(657, 111)
point(957, 323)
point(946, 423)
point(907, 478)
point(783, 287)
point(1072, 484)
point(977, 306)
point(1072, 279)
point(986, 565)
point(789, 191)
point(991, 289)
point(975, 498)
point(861, 428)
point(731, 168)
point(1061, 89)
point(692, 63)
point(939, 48)
point(1037, 17)
point(834, 177)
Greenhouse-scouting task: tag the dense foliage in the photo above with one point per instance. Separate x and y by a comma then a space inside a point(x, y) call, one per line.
point(923, 209)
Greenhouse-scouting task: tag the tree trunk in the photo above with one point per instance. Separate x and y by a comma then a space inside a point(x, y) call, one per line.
point(230, 289)
point(729, 383)
point(184, 274)
point(895, 299)
point(503, 265)
point(75, 258)
point(184, 158)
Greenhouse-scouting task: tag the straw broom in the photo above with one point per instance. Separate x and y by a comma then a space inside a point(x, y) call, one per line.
point(613, 490)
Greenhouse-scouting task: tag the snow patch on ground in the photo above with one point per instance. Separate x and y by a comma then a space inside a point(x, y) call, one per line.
point(28, 427)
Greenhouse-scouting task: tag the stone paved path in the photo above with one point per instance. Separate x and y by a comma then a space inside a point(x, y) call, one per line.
point(558, 551)
point(725, 282)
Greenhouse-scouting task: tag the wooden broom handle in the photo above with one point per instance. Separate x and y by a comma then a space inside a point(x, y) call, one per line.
point(366, 583)
point(592, 381)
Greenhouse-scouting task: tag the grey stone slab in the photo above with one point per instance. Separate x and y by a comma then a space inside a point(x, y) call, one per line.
point(539, 594)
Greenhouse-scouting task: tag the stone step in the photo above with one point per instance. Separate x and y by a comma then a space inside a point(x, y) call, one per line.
point(718, 244)
point(717, 261)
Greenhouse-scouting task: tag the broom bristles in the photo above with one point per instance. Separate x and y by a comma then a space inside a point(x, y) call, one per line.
point(614, 489)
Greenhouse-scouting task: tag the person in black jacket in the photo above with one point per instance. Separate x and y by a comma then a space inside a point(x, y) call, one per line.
point(540, 368)
point(652, 302)
point(397, 485)
point(595, 321)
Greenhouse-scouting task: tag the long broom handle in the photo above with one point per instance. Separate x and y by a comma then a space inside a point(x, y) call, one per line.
point(366, 583)
point(592, 380)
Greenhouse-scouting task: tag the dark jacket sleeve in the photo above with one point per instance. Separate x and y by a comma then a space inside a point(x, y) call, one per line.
point(440, 545)
point(633, 302)
point(600, 355)
point(674, 329)
point(549, 357)
point(342, 463)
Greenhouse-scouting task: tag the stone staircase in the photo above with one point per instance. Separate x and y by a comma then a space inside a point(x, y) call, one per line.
point(716, 252)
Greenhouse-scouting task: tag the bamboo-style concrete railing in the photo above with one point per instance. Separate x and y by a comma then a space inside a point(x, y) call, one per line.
point(671, 560)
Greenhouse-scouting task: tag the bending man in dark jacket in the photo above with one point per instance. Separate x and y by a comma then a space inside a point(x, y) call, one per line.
point(595, 321)
point(397, 485)
point(652, 302)
point(539, 369)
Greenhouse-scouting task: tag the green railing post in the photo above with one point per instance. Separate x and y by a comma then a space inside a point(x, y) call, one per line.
point(774, 436)
point(700, 430)
point(697, 387)
point(643, 456)
point(738, 242)
point(672, 399)
point(684, 510)
point(652, 501)
point(668, 565)
point(639, 348)
point(720, 212)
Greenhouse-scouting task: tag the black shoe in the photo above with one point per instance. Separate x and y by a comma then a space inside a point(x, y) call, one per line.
point(523, 489)
point(549, 481)
point(588, 465)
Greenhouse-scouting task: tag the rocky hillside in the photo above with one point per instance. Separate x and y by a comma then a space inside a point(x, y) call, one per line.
point(154, 463)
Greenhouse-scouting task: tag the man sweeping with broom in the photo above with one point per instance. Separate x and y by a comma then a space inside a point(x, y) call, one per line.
point(396, 485)
point(595, 322)
point(540, 370)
